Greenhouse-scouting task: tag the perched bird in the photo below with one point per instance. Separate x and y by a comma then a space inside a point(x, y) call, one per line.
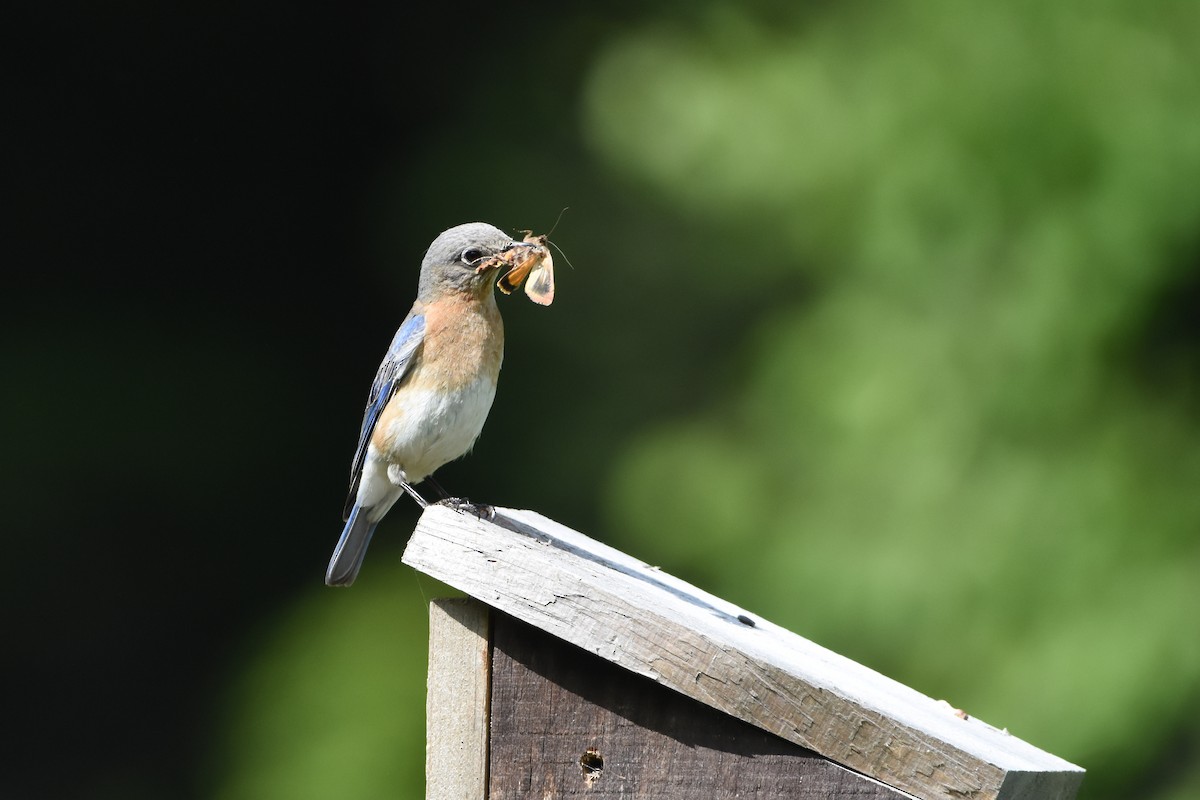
point(434, 389)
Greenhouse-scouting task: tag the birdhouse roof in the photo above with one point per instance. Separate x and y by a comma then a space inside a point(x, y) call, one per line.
point(653, 624)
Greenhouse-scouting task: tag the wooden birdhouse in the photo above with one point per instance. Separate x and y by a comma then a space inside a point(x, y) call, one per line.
point(578, 671)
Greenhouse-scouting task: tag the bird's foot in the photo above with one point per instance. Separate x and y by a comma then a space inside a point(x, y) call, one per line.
point(465, 506)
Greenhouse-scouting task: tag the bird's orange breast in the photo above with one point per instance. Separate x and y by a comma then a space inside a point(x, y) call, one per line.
point(464, 341)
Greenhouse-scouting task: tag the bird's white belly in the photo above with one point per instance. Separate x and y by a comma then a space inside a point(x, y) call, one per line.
point(435, 427)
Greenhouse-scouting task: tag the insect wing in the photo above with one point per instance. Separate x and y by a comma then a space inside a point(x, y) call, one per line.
point(540, 285)
point(506, 283)
point(515, 276)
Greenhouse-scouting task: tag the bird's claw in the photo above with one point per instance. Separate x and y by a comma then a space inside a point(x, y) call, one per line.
point(465, 506)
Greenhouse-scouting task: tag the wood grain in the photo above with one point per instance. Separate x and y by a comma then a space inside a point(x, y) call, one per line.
point(456, 709)
point(658, 626)
point(552, 703)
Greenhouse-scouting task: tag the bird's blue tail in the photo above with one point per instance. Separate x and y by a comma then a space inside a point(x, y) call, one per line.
point(351, 548)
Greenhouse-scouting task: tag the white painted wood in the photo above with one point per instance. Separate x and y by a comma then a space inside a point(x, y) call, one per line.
point(653, 624)
point(456, 710)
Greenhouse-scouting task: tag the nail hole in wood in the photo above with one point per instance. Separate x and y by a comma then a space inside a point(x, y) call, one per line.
point(591, 762)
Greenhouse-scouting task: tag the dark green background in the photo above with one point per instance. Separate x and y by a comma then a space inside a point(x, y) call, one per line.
point(882, 322)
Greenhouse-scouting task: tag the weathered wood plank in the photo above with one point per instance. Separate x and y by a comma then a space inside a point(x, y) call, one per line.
point(556, 707)
point(653, 624)
point(456, 709)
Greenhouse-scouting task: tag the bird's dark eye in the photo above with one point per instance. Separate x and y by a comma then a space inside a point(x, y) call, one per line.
point(471, 255)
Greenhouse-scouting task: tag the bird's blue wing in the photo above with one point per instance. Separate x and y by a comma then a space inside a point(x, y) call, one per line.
point(391, 373)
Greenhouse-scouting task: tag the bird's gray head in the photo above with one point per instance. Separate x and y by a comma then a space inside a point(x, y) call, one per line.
point(451, 261)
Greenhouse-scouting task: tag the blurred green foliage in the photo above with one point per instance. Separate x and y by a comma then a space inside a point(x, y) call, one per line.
point(944, 415)
point(942, 463)
point(334, 706)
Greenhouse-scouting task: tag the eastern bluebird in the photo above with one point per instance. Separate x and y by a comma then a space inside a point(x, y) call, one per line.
point(434, 388)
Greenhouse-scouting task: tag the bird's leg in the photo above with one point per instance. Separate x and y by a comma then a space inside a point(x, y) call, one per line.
point(447, 500)
point(398, 478)
point(421, 501)
point(430, 480)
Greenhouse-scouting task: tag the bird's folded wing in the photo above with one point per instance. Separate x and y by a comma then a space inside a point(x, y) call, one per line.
point(391, 373)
